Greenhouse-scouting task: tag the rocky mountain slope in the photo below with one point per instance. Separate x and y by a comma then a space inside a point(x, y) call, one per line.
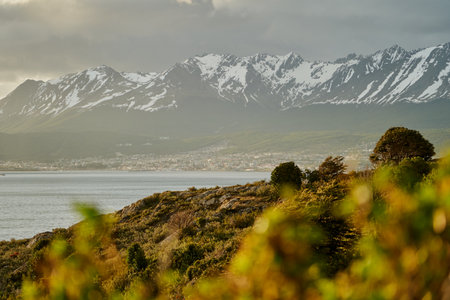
point(218, 95)
point(277, 82)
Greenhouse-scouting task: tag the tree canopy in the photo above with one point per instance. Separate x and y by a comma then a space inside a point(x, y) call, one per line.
point(399, 143)
point(331, 167)
point(287, 173)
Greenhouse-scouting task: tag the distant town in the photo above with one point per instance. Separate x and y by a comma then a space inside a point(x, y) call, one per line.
point(206, 160)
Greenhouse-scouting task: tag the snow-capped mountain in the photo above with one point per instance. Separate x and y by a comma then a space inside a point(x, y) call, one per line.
point(387, 76)
point(271, 82)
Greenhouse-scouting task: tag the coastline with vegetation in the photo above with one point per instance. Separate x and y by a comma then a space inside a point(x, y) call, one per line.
point(320, 233)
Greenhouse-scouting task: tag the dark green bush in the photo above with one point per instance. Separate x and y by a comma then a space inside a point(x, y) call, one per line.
point(186, 255)
point(287, 173)
point(189, 230)
point(243, 220)
point(201, 221)
point(195, 270)
point(411, 171)
point(312, 176)
point(136, 258)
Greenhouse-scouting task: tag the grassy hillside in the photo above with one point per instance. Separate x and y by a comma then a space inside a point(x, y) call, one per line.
point(166, 226)
point(52, 146)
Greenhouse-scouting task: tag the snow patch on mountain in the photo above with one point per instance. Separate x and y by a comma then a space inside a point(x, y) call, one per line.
point(381, 87)
point(432, 90)
point(312, 74)
point(72, 99)
point(153, 99)
point(365, 92)
point(208, 64)
point(139, 77)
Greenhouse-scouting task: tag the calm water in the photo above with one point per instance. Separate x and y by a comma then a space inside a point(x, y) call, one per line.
point(40, 201)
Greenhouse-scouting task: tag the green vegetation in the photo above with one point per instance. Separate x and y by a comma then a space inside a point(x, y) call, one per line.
point(136, 258)
point(399, 143)
point(331, 168)
point(184, 235)
point(287, 174)
point(374, 234)
point(402, 252)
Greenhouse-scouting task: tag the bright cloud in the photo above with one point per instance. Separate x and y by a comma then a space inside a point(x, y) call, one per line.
point(5, 2)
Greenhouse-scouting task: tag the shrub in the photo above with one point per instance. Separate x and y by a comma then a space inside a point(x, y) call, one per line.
point(201, 221)
point(287, 173)
point(180, 220)
point(186, 255)
point(410, 171)
point(195, 270)
point(188, 231)
point(136, 258)
point(243, 220)
point(312, 176)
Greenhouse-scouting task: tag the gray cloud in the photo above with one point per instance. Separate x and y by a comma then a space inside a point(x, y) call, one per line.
point(47, 38)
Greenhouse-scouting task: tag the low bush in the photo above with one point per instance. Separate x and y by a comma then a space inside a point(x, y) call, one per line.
point(136, 258)
point(186, 255)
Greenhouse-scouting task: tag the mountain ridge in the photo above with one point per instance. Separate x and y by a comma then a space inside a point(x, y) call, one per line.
point(209, 92)
point(411, 76)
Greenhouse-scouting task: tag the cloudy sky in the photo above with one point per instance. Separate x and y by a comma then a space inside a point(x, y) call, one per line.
point(43, 39)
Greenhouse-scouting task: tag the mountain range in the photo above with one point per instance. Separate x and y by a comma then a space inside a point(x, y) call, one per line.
point(214, 93)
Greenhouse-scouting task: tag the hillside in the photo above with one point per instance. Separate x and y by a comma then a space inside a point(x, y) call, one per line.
point(109, 147)
point(213, 220)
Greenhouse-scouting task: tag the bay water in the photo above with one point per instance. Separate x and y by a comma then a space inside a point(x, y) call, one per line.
point(34, 202)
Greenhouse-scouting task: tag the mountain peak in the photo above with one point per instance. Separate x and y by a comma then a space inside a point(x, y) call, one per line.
point(395, 48)
point(208, 63)
point(348, 58)
point(389, 55)
point(101, 69)
point(291, 61)
point(277, 81)
point(292, 55)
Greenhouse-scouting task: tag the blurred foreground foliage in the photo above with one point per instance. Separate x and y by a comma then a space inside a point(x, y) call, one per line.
point(402, 253)
point(383, 236)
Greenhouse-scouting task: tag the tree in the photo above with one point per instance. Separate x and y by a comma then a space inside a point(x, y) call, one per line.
point(287, 174)
point(399, 143)
point(312, 176)
point(332, 167)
